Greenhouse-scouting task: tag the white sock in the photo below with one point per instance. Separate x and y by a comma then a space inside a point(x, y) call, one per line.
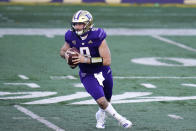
point(109, 109)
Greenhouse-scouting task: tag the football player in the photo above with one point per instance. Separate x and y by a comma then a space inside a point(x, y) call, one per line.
point(94, 62)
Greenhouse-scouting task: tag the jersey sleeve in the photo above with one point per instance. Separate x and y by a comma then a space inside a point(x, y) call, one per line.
point(67, 37)
point(101, 35)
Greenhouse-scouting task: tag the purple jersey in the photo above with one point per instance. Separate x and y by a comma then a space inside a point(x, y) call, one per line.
point(88, 46)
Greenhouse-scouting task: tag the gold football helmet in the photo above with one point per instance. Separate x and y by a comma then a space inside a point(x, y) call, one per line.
point(82, 16)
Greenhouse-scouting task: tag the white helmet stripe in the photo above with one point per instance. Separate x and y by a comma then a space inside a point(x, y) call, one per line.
point(77, 15)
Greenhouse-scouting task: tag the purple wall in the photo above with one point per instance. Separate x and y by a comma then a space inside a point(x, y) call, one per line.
point(57, 1)
point(4, 0)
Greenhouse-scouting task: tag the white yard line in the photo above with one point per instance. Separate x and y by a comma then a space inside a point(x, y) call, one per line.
point(63, 77)
point(38, 118)
point(24, 118)
point(23, 77)
point(190, 85)
point(132, 77)
point(58, 99)
point(174, 43)
point(175, 117)
point(153, 77)
point(31, 85)
point(51, 32)
point(78, 85)
point(148, 85)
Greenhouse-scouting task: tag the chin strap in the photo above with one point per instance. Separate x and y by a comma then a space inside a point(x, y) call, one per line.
point(80, 32)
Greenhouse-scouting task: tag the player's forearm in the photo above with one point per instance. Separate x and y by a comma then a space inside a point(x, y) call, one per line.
point(106, 61)
point(63, 49)
point(93, 60)
point(62, 54)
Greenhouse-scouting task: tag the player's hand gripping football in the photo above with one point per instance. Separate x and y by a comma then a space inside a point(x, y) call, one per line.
point(69, 54)
point(79, 59)
point(66, 56)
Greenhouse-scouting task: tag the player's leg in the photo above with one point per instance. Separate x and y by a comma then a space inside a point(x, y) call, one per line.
point(104, 101)
point(96, 91)
point(106, 106)
point(100, 114)
point(94, 88)
point(108, 85)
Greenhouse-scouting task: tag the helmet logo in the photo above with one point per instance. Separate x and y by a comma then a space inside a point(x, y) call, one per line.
point(88, 16)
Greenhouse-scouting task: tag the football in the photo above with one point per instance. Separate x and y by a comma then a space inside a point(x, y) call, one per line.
point(71, 53)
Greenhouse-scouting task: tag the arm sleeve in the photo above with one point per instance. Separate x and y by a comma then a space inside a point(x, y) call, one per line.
point(101, 36)
point(67, 37)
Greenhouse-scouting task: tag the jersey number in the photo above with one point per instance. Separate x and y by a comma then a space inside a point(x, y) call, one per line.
point(85, 51)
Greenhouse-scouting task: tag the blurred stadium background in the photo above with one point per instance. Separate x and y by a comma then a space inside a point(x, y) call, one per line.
point(153, 49)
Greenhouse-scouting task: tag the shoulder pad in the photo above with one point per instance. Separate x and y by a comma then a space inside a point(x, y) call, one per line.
point(99, 34)
point(68, 35)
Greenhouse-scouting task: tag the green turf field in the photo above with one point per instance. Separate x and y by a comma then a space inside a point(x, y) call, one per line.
point(105, 16)
point(161, 97)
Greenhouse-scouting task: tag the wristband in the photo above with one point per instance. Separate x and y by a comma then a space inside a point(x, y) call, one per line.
point(96, 60)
